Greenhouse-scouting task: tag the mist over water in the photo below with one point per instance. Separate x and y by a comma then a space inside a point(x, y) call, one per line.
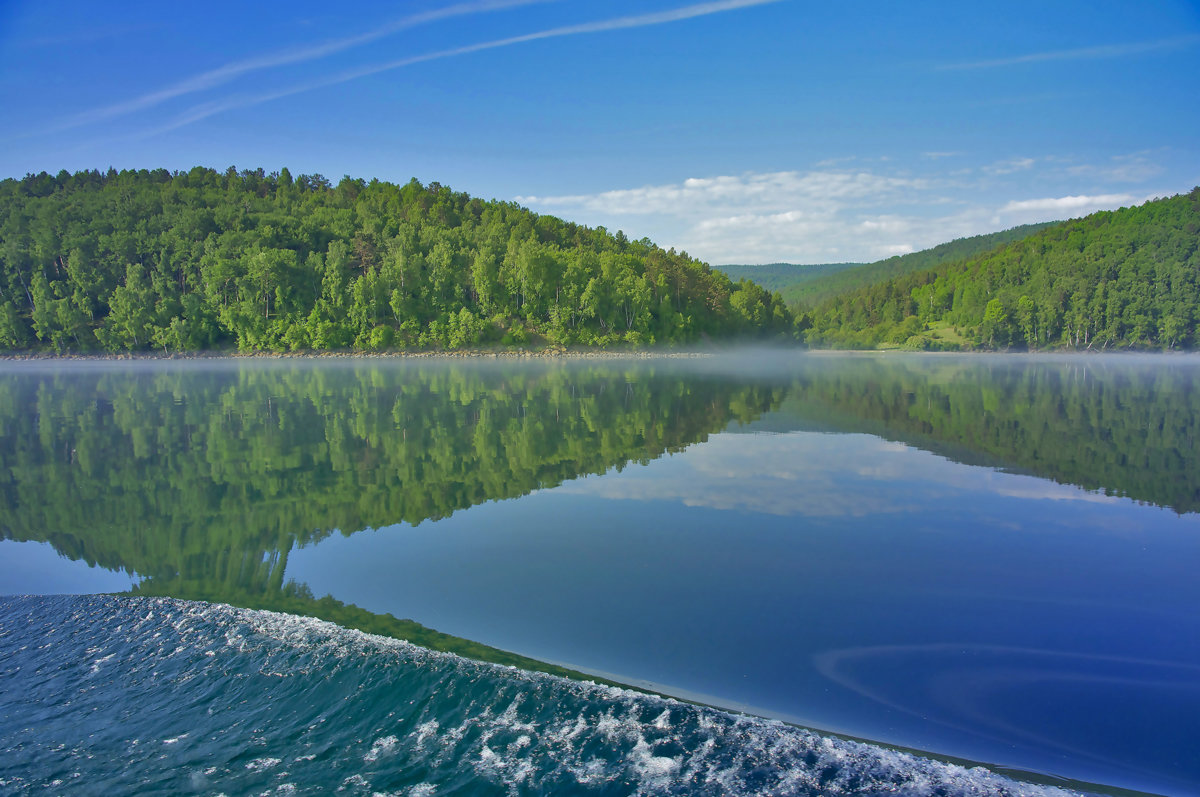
point(985, 557)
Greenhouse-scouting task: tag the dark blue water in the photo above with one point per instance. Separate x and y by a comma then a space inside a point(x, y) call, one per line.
point(103, 695)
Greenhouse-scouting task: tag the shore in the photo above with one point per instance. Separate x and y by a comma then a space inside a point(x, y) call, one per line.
point(491, 354)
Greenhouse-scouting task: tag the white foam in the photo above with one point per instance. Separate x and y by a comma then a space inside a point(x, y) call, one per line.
point(96, 664)
point(355, 780)
point(426, 731)
point(382, 746)
point(654, 770)
point(657, 743)
point(264, 763)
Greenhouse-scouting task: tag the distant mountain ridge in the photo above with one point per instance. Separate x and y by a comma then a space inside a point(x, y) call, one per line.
point(778, 276)
point(807, 286)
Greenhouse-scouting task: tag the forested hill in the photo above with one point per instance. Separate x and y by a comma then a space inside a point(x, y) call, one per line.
point(205, 259)
point(812, 292)
point(779, 276)
point(1117, 279)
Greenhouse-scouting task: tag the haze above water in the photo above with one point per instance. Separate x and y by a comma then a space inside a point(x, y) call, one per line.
point(990, 557)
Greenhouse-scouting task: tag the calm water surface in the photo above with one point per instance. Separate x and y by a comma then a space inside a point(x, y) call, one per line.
point(988, 558)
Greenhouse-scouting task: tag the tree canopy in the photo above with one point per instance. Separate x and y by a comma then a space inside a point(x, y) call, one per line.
point(185, 261)
point(1117, 279)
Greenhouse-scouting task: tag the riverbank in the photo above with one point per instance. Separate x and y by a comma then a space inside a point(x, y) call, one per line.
point(492, 354)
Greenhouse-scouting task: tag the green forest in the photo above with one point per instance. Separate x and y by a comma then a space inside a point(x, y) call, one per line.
point(164, 261)
point(1125, 279)
point(836, 281)
point(804, 287)
point(200, 260)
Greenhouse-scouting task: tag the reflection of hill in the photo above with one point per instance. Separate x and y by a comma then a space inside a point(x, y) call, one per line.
point(1127, 427)
point(209, 474)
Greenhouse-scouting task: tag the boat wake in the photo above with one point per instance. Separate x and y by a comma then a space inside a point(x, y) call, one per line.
point(103, 694)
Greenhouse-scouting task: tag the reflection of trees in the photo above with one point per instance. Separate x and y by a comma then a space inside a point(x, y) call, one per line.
point(201, 478)
point(1122, 426)
point(206, 476)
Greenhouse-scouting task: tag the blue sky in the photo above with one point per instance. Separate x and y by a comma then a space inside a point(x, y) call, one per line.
point(741, 131)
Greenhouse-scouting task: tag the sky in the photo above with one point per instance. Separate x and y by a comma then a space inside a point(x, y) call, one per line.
point(739, 131)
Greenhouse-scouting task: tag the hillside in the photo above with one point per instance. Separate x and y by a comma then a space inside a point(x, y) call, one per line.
point(779, 276)
point(811, 293)
point(1117, 279)
point(203, 259)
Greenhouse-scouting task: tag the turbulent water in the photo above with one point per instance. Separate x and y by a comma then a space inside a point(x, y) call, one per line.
point(108, 695)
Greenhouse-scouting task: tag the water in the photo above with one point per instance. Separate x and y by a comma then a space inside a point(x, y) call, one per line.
point(990, 559)
point(199, 698)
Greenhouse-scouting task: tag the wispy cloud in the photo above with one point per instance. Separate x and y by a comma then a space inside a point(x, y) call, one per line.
point(806, 217)
point(1010, 166)
point(619, 23)
point(1070, 204)
point(746, 192)
point(1082, 53)
point(224, 74)
point(1133, 168)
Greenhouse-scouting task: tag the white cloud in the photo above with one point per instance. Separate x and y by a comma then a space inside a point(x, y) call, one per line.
point(755, 192)
point(1069, 204)
point(806, 217)
point(831, 215)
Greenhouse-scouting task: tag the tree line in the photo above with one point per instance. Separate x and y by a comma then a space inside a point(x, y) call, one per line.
point(1125, 279)
point(185, 261)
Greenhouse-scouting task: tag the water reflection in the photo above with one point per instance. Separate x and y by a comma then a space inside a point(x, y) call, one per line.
point(201, 478)
point(208, 475)
point(1123, 425)
point(825, 556)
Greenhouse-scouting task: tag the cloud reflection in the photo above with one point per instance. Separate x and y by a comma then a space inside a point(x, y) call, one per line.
point(813, 474)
